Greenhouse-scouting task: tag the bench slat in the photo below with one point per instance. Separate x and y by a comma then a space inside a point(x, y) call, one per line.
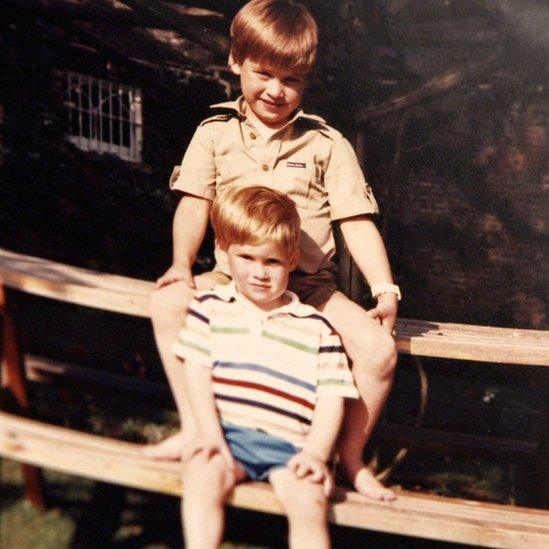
point(75, 285)
point(411, 514)
point(131, 296)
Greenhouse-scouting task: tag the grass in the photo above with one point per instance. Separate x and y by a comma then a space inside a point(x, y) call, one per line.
point(86, 514)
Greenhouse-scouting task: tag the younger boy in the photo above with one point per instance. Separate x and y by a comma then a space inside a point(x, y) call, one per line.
point(263, 138)
point(266, 377)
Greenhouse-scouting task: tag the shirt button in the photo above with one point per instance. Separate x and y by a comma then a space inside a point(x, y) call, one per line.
point(252, 135)
point(265, 168)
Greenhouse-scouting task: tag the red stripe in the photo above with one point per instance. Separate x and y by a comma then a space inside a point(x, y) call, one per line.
point(265, 389)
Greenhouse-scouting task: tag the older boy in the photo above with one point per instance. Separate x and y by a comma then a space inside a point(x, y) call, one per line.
point(265, 375)
point(263, 138)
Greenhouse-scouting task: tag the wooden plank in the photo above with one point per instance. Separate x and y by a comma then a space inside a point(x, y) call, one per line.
point(131, 296)
point(470, 342)
point(45, 278)
point(411, 514)
point(38, 368)
point(13, 378)
point(451, 441)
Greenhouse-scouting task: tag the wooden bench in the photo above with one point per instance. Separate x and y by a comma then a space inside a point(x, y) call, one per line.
point(439, 518)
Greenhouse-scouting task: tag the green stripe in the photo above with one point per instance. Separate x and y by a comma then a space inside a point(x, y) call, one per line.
point(228, 330)
point(290, 343)
point(334, 382)
point(196, 347)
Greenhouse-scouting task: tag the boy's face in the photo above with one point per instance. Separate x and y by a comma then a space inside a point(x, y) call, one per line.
point(261, 272)
point(272, 94)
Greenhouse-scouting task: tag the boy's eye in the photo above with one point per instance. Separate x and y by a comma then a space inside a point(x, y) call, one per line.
point(273, 261)
point(245, 257)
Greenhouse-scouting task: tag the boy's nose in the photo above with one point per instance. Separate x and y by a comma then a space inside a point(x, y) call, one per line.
point(275, 88)
point(260, 271)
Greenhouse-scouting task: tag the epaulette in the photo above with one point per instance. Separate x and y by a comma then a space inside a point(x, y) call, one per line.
point(221, 116)
point(321, 125)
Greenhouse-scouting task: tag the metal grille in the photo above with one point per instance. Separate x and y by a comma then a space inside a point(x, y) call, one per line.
point(104, 116)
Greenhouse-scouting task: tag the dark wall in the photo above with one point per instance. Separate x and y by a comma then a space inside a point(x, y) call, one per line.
point(454, 141)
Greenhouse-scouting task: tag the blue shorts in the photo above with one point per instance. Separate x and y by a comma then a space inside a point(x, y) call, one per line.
point(257, 451)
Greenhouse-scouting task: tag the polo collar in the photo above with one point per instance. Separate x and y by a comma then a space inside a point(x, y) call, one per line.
point(229, 292)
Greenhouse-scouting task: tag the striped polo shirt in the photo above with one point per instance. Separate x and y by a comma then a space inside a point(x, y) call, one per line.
point(268, 368)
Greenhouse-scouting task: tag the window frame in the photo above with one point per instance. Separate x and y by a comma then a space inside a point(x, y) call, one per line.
point(104, 116)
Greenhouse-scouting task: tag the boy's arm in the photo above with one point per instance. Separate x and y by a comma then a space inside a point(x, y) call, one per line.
point(210, 439)
point(189, 227)
point(368, 251)
point(325, 427)
point(312, 460)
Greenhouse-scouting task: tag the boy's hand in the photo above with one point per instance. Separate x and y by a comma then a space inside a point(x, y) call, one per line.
point(306, 465)
point(386, 311)
point(209, 447)
point(174, 274)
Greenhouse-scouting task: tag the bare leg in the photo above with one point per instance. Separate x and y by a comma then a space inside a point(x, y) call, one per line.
point(206, 484)
point(168, 313)
point(373, 354)
point(306, 507)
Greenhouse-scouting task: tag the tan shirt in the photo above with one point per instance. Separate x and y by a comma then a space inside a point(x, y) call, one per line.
point(306, 159)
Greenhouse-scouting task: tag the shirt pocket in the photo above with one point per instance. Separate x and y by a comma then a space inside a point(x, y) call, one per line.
point(235, 167)
point(303, 182)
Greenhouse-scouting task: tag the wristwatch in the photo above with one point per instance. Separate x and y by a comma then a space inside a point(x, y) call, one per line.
point(385, 288)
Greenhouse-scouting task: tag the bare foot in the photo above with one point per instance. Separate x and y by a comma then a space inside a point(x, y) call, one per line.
point(168, 449)
point(365, 483)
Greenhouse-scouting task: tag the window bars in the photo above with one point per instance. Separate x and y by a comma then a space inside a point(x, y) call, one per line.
point(104, 116)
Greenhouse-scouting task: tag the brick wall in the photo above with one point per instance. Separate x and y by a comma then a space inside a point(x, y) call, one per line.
point(473, 250)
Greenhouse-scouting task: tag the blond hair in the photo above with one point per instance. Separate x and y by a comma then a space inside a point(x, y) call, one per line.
point(277, 33)
point(253, 215)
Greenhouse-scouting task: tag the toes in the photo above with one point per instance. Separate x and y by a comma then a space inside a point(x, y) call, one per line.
point(367, 485)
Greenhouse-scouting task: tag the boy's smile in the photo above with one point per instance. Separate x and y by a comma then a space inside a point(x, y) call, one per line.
point(260, 272)
point(272, 94)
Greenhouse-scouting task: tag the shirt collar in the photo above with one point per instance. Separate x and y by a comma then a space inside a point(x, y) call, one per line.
point(238, 106)
point(229, 292)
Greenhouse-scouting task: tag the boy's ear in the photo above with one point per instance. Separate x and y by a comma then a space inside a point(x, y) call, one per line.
point(235, 67)
point(223, 254)
point(293, 260)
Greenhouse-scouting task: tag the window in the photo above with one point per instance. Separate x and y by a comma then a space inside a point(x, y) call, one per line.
point(104, 116)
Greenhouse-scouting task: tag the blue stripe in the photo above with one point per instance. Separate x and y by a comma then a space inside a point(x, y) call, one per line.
point(265, 370)
point(316, 316)
point(196, 314)
point(264, 406)
point(205, 297)
point(331, 349)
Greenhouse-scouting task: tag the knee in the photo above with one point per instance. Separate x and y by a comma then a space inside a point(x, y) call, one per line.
point(204, 483)
point(308, 510)
point(377, 354)
point(170, 303)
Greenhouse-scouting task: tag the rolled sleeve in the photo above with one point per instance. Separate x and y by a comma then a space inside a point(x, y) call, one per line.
point(349, 193)
point(197, 173)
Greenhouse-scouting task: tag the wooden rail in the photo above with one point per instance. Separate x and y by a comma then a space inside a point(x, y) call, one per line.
point(131, 296)
point(35, 443)
point(411, 514)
